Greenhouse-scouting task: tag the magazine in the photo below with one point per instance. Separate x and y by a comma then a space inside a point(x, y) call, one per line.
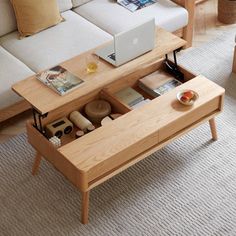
point(60, 80)
point(134, 5)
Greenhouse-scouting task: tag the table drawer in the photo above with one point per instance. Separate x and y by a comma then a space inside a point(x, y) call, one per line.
point(176, 125)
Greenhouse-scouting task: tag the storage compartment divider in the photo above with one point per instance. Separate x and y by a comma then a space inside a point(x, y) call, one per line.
point(119, 106)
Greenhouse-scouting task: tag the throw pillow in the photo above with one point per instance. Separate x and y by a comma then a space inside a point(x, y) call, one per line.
point(33, 16)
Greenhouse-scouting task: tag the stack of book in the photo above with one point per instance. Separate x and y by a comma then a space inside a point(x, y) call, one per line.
point(129, 96)
point(158, 83)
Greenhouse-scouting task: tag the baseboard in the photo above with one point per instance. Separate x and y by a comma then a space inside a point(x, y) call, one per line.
point(14, 110)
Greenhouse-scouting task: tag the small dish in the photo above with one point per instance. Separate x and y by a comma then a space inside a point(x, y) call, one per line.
point(187, 97)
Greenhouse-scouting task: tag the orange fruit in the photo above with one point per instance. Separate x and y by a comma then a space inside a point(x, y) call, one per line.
point(189, 94)
point(184, 98)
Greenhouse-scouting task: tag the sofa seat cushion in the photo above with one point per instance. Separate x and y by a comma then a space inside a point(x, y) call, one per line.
point(11, 71)
point(57, 44)
point(114, 18)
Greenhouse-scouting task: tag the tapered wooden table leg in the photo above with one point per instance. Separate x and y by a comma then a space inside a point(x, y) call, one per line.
point(85, 207)
point(36, 164)
point(213, 129)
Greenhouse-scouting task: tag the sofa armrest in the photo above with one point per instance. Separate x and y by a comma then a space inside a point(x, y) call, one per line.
point(189, 5)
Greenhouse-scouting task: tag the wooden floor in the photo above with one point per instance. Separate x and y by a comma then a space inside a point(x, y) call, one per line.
point(206, 28)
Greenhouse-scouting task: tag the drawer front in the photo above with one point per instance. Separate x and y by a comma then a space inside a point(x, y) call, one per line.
point(123, 157)
point(176, 125)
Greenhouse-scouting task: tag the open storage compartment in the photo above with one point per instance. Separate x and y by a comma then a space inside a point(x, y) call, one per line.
point(107, 94)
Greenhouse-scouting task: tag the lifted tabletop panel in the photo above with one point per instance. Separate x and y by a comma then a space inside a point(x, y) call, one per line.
point(165, 43)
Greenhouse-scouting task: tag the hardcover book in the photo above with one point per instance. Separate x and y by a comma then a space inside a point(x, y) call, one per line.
point(60, 80)
point(129, 96)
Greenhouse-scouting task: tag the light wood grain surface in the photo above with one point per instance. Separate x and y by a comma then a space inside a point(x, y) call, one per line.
point(165, 43)
point(15, 109)
point(138, 130)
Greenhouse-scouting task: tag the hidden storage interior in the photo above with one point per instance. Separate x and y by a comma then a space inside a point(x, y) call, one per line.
point(108, 93)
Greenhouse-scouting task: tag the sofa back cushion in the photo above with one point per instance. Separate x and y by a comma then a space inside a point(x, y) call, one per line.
point(77, 3)
point(7, 18)
point(64, 5)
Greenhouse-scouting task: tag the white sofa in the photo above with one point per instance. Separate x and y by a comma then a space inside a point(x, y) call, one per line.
point(87, 24)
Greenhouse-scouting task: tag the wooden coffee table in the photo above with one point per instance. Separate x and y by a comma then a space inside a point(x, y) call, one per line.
point(99, 155)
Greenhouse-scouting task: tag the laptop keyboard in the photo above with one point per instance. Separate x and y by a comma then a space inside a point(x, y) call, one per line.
point(112, 56)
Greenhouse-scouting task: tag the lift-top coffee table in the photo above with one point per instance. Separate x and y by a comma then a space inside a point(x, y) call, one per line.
point(110, 149)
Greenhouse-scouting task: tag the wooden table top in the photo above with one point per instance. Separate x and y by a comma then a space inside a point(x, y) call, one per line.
point(45, 100)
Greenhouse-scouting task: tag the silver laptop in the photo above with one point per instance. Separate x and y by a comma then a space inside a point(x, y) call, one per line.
point(129, 44)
